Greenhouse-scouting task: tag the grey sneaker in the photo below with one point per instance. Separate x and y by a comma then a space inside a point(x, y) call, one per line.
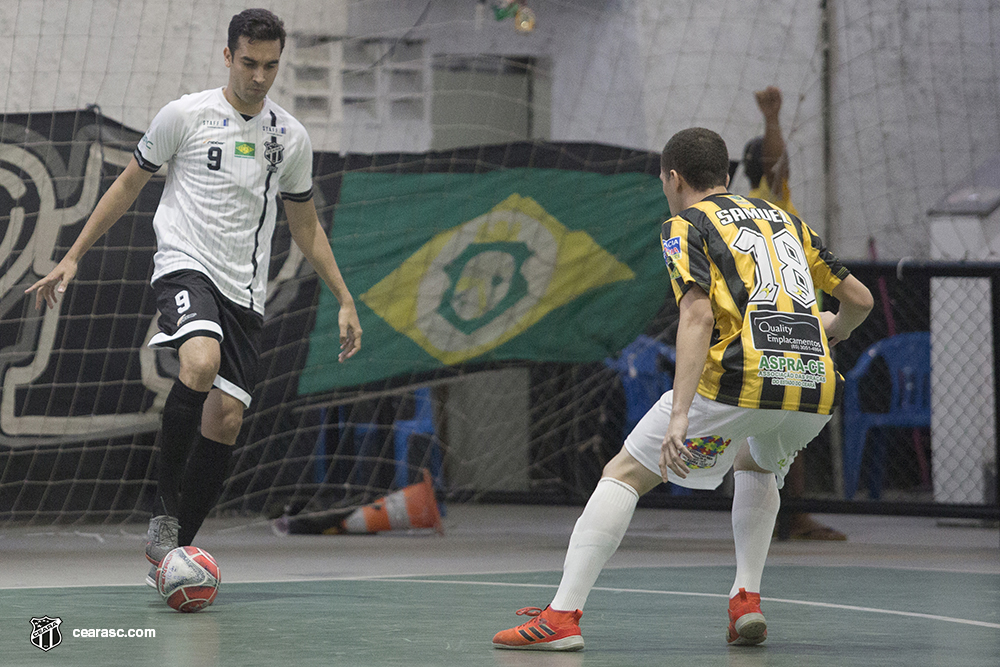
point(161, 538)
point(151, 577)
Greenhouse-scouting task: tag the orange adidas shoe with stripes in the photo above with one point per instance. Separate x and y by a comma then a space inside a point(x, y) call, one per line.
point(548, 630)
point(746, 622)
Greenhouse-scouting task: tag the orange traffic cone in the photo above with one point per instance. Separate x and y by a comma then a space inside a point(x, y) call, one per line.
point(411, 507)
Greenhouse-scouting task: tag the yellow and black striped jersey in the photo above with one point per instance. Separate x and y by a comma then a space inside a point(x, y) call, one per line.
point(760, 266)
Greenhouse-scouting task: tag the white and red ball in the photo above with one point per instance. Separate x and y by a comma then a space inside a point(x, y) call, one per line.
point(188, 579)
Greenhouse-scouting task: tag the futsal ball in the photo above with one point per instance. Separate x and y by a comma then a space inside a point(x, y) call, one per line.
point(188, 579)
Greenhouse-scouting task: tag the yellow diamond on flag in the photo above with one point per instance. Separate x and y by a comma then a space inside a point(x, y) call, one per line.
point(475, 286)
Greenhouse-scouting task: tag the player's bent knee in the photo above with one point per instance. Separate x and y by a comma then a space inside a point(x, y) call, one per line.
point(199, 362)
point(625, 468)
point(745, 461)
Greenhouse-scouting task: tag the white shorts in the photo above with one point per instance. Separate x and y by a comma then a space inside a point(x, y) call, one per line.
point(717, 431)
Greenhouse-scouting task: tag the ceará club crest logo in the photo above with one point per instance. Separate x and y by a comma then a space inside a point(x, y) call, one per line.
point(45, 632)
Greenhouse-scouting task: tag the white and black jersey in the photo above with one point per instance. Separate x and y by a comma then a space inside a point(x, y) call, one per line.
point(219, 203)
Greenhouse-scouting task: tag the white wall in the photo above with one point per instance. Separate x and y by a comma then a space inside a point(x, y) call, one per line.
point(917, 109)
point(703, 61)
point(916, 102)
point(916, 98)
point(128, 56)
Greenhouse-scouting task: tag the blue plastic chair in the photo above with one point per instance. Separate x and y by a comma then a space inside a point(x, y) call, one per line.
point(423, 424)
point(908, 358)
point(641, 377)
point(644, 382)
point(367, 443)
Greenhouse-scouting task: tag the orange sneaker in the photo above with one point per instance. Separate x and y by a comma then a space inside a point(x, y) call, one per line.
point(746, 622)
point(549, 630)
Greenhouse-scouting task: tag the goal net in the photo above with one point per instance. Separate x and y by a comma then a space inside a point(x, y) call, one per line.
point(491, 193)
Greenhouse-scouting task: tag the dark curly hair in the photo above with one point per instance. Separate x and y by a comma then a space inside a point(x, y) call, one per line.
point(699, 155)
point(753, 161)
point(255, 25)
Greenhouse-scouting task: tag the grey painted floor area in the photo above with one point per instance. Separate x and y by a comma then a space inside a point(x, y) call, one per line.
point(900, 591)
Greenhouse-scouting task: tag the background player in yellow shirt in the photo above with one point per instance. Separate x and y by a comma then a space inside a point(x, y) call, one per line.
point(765, 158)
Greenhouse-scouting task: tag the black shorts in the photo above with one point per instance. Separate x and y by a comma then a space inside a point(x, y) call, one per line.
point(190, 305)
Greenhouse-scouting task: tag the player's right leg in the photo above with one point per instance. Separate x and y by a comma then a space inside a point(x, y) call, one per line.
point(199, 363)
point(189, 322)
point(760, 466)
point(596, 536)
point(755, 508)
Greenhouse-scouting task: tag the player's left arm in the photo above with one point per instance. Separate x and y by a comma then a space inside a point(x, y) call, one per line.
point(774, 153)
point(308, 234)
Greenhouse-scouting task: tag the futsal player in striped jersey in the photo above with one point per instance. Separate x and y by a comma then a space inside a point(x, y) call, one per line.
point(232, 152)
point(754, 382)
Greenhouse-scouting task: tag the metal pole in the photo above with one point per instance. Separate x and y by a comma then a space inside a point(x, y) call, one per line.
point(829, 191)
point(995, 310)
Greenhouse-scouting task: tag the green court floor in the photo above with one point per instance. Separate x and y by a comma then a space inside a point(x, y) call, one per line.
point(817, 616)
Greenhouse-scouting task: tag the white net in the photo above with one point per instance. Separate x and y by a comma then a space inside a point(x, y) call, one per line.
point(460, 163)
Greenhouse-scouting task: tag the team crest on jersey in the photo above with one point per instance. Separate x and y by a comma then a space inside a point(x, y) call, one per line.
point(705, 452)
point(274, 153)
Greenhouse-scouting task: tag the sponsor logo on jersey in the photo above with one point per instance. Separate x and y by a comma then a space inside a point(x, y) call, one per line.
point(705, 452)
point(792, 371)
point(786, 332)
point(672, 252)
point(273, 130)
point(214, 143)
point(224, 122)
point(672, 246)
point(245, 149)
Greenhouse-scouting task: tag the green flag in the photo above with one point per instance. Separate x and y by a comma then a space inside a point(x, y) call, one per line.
point(536, 264)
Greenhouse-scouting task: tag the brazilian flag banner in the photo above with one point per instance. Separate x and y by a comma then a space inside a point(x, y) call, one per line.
point(515, 263)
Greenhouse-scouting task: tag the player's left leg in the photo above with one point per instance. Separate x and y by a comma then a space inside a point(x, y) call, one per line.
point(208, 466)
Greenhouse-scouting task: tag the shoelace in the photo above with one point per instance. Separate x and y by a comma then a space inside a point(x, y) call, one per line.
point(529, 611)
point(167, 532)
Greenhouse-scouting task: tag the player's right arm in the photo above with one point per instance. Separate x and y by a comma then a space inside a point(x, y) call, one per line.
point(119, 197)
point(694, 337)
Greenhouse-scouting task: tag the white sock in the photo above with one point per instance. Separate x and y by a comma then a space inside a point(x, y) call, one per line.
point(596, 536)
point(755, 507)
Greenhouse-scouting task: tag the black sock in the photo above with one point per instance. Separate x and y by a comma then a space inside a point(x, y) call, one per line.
point(204, 477)
point(180, 427)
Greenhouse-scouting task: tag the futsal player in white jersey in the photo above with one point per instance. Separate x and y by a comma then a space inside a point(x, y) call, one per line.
point(231, 153)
